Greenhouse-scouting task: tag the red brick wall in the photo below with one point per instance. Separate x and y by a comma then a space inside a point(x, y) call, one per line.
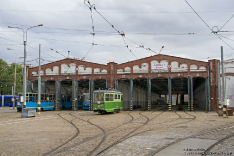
point(112, 73)
point(213, 69)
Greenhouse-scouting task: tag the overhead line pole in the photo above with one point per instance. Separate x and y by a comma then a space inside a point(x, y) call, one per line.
point(223, 85)
point(25, 56)
point(219, 91)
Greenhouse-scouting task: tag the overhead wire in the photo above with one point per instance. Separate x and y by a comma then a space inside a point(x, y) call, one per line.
point(120, 33)
point(11, 40)
point(208, 26)
point(164, 12)
point(93, 33)
point(63, 41)
point(106, 32)
point(29, 45)
point(225, 37)
point(140, 46)
point(227, 22)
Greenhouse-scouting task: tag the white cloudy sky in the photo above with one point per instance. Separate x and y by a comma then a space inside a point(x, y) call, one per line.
point(152, 23)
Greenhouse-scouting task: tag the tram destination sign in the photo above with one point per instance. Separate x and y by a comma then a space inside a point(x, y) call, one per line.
point(159, 66)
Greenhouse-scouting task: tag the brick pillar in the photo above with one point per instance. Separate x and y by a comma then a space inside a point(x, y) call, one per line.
point(213, 74)
point(188, 64)
point(111, 74)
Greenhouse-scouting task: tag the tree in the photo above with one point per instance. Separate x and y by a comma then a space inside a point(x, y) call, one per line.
point(7, 73)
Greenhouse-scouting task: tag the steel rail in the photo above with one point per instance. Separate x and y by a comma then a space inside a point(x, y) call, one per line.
point(77, 133)
point(127, 135)
point(92, 138)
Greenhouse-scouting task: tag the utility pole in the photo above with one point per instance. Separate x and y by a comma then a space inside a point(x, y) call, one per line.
point(25, 55)
point(224, 106)
point(219, 91)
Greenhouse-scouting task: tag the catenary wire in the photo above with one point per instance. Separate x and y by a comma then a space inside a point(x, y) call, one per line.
point(208, 25)
point(227, 22)
point(143, 12)
point(88, 4)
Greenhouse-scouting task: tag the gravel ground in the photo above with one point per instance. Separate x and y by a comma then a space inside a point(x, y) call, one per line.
point(224, 148)
point(137, 132)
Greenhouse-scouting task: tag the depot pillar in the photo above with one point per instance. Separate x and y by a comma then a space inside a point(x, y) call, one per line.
point(191, 83)
point(131, 93)
point(116, 84)
point(43, 86)
point(169, 94)
point(75, 91)
point(189, 93)
point(149, 93)
point(58, 94)
point(106, 84)
point(207, 94)
point(91, 89)
point(29, 86)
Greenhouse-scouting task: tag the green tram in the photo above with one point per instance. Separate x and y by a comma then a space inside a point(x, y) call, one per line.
point(110, 100)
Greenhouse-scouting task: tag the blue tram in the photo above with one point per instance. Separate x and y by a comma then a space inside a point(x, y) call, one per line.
point(6, 100)
point(47, 101)
point(66, 102)
point(84, 101)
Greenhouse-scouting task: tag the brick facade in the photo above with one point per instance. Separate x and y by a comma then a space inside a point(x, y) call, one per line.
point(112, 73)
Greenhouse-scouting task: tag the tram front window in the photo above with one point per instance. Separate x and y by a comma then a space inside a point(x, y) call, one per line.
point(99, 98)
point(81, 98)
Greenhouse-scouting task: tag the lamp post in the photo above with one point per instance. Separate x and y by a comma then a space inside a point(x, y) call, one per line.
point(14, 79)
point(25, 55)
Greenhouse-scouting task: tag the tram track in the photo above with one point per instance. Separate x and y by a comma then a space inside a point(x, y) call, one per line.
point(193, 136)
point(204, 132)
point(91, 138)
point(128, 134)
point(179, 117)
point(49, 131)
point(189, 119)
point(73, 137)
point(112, 133)
point(67, 148)
point(123, 138)
point(105, 133)
point(218, 142)
point(194, 117)
point(94, 137)
point(103, 139)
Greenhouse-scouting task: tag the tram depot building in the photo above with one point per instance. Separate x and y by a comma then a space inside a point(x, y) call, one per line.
point(144, 83)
